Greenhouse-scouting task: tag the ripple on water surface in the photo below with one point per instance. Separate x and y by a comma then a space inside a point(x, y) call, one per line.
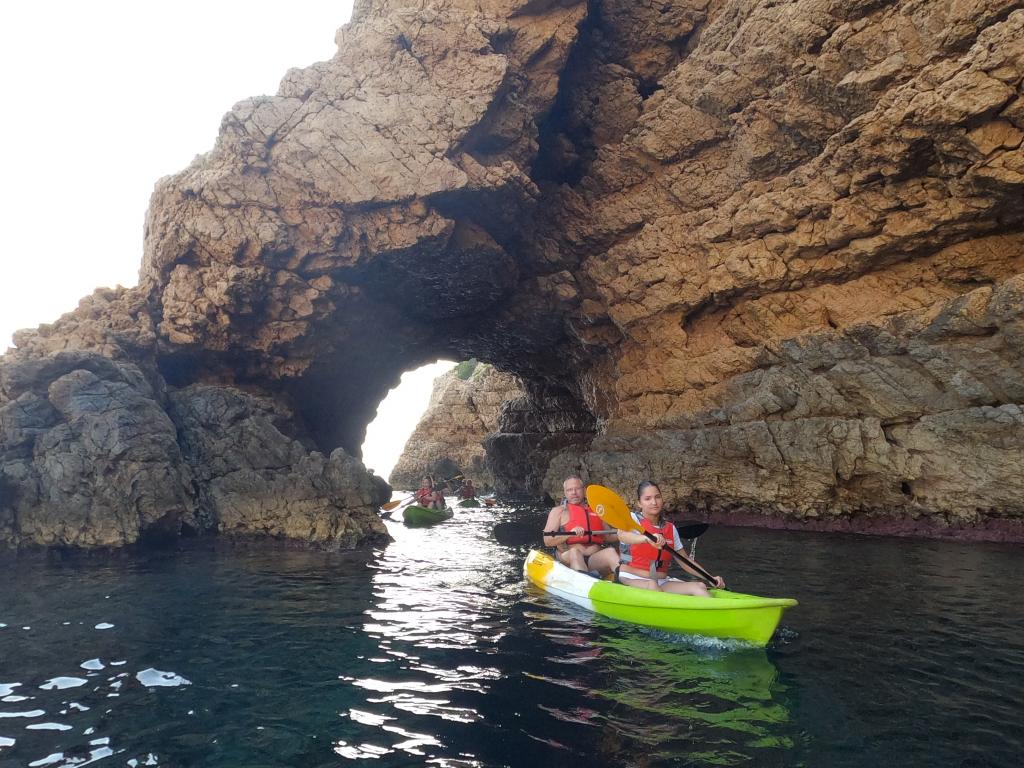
point(435, 651)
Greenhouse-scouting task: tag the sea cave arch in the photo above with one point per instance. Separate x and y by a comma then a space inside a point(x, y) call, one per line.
point(744, 248)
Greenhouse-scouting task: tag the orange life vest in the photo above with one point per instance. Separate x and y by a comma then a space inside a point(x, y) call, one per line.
point(424, 496)
point(642, 555)
point(583, 516)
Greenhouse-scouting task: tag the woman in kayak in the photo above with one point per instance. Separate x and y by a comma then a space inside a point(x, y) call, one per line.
point(579, 548)
point(427, 497)
point(644, 564)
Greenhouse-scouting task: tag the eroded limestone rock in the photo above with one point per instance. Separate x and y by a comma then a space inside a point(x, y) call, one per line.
point(769, 253)
point(255, 481)
point(88, 456)
point(448, 440)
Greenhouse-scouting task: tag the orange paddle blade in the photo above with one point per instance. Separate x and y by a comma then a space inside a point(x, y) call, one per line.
point(392, 504)
point(610, 507)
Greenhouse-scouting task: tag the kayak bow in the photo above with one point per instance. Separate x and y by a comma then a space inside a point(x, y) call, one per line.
point(415, 515)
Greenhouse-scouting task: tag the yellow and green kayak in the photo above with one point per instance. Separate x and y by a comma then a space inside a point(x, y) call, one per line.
point(415, 515)
point(725, 614)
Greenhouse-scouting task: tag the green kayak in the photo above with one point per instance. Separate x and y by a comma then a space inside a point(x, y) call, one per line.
point(469, 503)
point(416, 515)
point(724, 614)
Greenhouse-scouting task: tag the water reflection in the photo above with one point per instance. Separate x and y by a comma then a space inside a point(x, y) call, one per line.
point(719, 703)
point(725, 698)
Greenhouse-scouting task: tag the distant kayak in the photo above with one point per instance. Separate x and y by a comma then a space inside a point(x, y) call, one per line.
point(725, 614)
point(469, 503)
point(416, 515)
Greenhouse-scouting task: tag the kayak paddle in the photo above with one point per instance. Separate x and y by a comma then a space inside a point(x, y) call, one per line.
point(610, 507)
point(692, 530)
point(605, 532)
point(396, 503)
point(688, 531)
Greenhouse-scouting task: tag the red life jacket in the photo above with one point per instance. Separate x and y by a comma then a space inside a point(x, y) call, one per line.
point(583, 516)
point(642, 555)
point(424, 496)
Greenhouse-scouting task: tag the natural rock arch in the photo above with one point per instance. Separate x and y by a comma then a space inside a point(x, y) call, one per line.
point(769, 253)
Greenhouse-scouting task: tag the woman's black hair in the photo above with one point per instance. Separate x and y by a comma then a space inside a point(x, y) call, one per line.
point(643, 487)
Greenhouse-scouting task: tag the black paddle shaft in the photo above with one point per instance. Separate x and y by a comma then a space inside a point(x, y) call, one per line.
point(691, 531)
point(604, 532)
point(684, 560)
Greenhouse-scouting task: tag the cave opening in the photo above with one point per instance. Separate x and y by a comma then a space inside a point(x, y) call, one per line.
point(397, 416)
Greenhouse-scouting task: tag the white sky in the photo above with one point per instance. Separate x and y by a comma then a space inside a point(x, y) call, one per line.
point(397, 417)
point(101, 99)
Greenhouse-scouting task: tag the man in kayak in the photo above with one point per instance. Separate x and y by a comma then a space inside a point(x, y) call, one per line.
point(467, 491)
point(427, 497)
point(580, 548)
point(645, 563)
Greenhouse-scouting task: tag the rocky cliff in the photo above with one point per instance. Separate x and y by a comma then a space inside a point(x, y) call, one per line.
point(448, 440)
point(771, 253)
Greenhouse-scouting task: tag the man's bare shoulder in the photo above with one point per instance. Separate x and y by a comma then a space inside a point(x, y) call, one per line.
point(556, 512)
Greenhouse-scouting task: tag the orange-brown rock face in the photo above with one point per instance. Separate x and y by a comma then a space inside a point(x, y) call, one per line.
point(808, 242)
point(769, 253)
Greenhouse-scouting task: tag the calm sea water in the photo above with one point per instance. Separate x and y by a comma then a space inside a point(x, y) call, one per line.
point(435, 652)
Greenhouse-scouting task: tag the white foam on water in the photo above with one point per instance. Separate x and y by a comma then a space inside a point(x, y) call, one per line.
point(104, 625)
point(60, 683)
point(6, 742)
point(50, 759)
point(97, 755)
point(30, 713)
point(154, 677)
point(93, 664)
point(48, 727)
point(13, 699)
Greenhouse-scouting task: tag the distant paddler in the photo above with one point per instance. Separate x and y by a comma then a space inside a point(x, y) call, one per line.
point(467, 491)
point(427, 497)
